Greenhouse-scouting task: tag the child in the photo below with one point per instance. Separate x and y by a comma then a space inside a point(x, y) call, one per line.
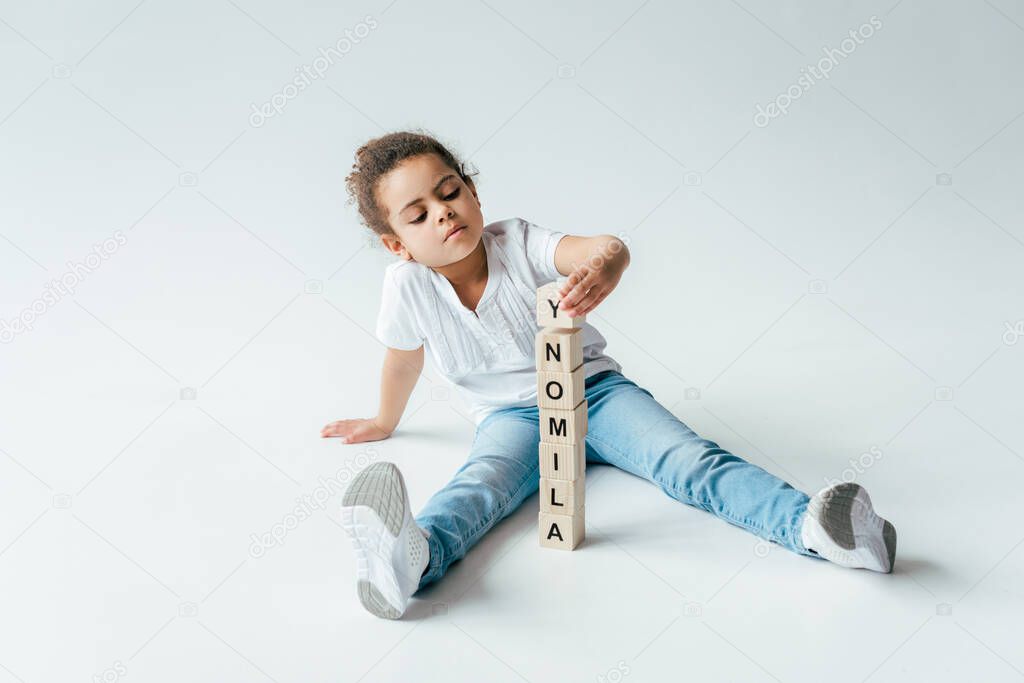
point(466, 292)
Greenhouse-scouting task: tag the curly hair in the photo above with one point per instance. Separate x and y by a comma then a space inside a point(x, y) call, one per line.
point(378, 157)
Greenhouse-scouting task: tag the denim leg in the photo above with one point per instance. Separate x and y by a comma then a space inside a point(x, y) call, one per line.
point(632, 431)
point(502, 471)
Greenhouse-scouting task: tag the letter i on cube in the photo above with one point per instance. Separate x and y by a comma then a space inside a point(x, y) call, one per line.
point(562, 408)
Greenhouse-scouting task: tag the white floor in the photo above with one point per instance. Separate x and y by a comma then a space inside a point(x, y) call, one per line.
point(835, 294)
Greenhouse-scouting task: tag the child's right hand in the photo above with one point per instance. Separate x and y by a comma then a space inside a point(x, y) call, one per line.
point(355, 431)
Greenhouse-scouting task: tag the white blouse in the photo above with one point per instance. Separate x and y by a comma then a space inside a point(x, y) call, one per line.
point(487, 355)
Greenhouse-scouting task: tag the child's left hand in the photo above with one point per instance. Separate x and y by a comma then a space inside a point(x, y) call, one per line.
point(588, 285)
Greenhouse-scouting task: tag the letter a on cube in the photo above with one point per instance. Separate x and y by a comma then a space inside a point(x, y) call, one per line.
point(564, 532)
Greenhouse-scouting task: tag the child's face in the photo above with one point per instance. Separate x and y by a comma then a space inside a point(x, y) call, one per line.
point(424, 200)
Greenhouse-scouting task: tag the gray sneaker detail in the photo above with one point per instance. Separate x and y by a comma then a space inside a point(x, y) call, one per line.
point(380, 488)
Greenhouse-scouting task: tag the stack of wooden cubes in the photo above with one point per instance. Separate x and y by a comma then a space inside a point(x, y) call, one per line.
point(562, 407)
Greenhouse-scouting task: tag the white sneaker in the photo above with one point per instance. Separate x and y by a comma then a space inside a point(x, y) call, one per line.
point(841, 526)
point(391, 550)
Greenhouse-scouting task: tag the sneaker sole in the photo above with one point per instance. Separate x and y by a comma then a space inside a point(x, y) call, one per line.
point(848, 517)
point(378, 490)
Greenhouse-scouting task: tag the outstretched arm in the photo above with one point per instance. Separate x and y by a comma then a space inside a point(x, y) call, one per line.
point(397, 380)
point(594, 266)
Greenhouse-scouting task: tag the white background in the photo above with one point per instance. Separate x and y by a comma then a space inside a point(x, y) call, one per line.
point(816, 283)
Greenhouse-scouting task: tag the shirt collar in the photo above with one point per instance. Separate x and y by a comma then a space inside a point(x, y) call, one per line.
point(495, 270)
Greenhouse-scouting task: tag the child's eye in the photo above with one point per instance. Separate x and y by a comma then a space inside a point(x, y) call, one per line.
point(452, 195)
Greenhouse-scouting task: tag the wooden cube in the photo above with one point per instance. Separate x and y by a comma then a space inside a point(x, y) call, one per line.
point(562, 461)
point(562, 497)
point(548, 311)
point(564, 532)
point(562, 390)
point(563, 426)
point(559, 350)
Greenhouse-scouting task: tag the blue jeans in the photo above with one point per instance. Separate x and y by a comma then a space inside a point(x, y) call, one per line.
point(627, 428)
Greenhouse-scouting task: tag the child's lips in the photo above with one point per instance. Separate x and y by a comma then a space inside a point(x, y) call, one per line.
point(455, 232)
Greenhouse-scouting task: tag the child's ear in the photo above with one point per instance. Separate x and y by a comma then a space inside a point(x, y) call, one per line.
point(393, 243)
